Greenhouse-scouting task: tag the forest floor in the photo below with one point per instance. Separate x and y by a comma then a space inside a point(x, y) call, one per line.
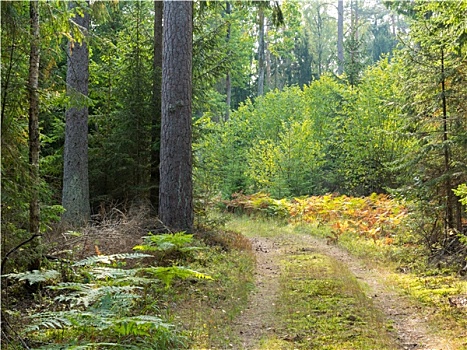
point(409, 328)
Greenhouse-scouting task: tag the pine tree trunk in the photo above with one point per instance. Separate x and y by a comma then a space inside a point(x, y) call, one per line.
point(261, 52)
point(340, 37)
point(176, 198)
point(228, 83)
point(75, 196)
point(156, 120)
point(450, 197)
point(34, 142)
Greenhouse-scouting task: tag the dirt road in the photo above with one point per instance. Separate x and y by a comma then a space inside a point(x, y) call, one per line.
point(411, 330)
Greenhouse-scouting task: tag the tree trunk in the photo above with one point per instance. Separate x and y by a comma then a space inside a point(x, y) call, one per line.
point(267, 63)
point(75, 196)
point(340, 37)
point(156, 120)
point(176, 197)
point(450, 197)
point(34, 142)
point(228, 83)
point(261, 52)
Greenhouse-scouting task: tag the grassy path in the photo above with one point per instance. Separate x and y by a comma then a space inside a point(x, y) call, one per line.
point(310, 295)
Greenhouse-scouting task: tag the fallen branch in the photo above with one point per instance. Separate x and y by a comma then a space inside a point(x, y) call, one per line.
point(15, 249)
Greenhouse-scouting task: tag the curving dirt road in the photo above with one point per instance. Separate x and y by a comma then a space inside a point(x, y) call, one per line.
point(410, 328)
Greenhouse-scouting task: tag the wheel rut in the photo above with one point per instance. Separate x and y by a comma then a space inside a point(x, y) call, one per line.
point(411, 331)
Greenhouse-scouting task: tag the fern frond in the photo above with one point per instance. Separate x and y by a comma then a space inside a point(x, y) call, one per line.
point(120, 276)
point(34, 276)
point(167, 274)
point(164, 242)
point(140, 325)
point(107, 259)
point(88, 294)
point(50, 320)
point(112, 273)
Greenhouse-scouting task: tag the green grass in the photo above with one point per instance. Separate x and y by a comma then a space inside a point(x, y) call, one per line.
point(408, 272)
point(206, 309)
point(322, 306)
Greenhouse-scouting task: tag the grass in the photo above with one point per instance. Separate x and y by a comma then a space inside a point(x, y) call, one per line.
point(320, 304)
point(196, 310)
point(206, 309)
point(408, 272)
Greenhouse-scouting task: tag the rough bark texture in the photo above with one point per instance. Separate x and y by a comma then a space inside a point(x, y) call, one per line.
point(261, 47)
point(75, 197)
point(34, 143)
point(340, 36)
point(228, 84)
point(156, 120)
point(175, 199)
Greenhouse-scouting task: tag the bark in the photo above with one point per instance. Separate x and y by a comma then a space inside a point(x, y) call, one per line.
point(450, 197)
point(228, 83)
point(340, 37)
point(34, 142)
point(75, 196)
point(176, 197)
point(267, 63)
point(261, 52)
point(156, 120)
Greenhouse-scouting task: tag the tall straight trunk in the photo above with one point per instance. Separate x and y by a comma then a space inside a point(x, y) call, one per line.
point(320, 44)
point(228, 83)
point(156, 119)
point(34, 143)
point(267, 62)
point(450, 198)
point(340, 37)
point(176, 188)
point(75, 196)
point(261, 52)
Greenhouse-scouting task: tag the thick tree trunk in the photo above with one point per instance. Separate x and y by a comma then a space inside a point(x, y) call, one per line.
point(176, 198)
point(340, 37)
point(261, 52)
point(75, 196)
point(156, 120)
point(34, 143)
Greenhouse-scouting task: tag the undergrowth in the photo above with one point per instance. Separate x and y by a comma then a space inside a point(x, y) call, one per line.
point(206, 310)
point(170, 294)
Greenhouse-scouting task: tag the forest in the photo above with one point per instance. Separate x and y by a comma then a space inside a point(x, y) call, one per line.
point(136, 136)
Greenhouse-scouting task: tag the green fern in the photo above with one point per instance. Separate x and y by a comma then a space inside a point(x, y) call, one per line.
point(35, 276)
point(179, 241)
point(103, 307)
point(49, 320)
point(108, 259)
point(88, 294)
point(141, 325)
point(167, 274)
